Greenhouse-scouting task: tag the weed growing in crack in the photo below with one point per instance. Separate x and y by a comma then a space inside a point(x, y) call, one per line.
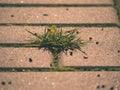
point(56, 41)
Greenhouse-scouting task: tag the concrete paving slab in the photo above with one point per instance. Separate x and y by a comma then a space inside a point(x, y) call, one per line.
point(24, 57)
point(103, 49)
point(58, 1)
point(16, 34)
point(60, 81)
point(74, 15)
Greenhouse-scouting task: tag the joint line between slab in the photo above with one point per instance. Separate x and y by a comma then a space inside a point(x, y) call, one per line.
point(55, 5)
point(63, 24)
point(73, 68)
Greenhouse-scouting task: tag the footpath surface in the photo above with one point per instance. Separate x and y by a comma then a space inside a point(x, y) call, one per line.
point(97, 21)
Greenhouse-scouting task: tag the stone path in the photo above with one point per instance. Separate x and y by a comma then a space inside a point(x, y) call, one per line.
point(102, 31)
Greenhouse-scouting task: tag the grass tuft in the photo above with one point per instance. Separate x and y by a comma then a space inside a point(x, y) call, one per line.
point(56, 41)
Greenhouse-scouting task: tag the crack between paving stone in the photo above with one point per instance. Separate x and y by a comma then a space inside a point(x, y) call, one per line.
point(73, 68)
point(55, 5)
point(63, 24)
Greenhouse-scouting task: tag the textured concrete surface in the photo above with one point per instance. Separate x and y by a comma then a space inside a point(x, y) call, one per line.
point(101, 54)
point(58, 1)
point(103, 49)
point(59, 15)
point(24, 57)
point(16, 34)
point(60, 81)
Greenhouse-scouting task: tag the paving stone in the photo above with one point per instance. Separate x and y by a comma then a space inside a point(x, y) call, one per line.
point(16, 34)
point(60, 80)
point(101, 51)
point(65, 15)
point(24, 57)
point(59, 1)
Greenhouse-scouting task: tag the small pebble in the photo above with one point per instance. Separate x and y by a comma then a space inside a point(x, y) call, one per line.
point(85, 57)
point(37, 16)
point(90, 38)
point(67, 9)
point(71, 53)
point(103, 86)
point(51, 65)
point(12, 15)
point(112, 88)
point(45, 14)
point(9, 82)
point(102, 29)
point(13, 69)
point(23, 70)
point(98, 87)
point(97, 43)
point(30, 59)
point(21, 1)
point(3, 83)
point(118, 51)
point(98, 75)
point(53, 83)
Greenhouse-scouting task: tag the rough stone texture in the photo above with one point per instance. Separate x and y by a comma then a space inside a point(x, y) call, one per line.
point(19, 57)
point(58, 1)
point(60, 81)
point(16, 34)
point(105, 53)
point(59, 15)
point(102, 51)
